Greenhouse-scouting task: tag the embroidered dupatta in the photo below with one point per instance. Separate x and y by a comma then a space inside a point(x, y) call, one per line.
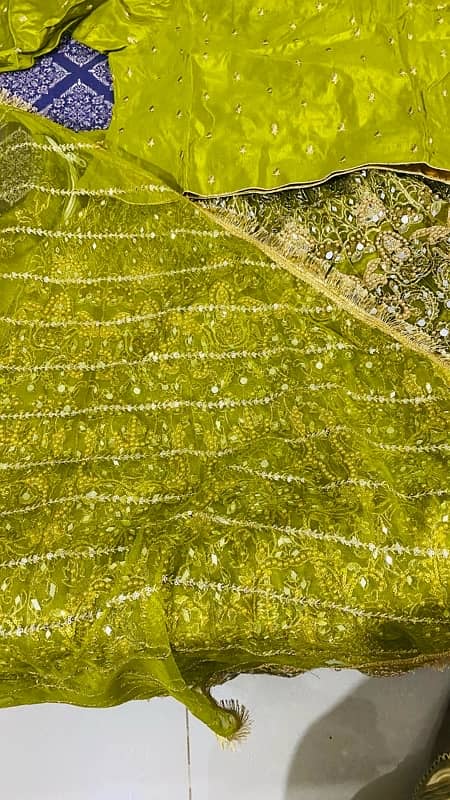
point(223, 421)
point(208, 465)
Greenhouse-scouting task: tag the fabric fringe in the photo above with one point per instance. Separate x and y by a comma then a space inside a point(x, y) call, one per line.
point(242, 714)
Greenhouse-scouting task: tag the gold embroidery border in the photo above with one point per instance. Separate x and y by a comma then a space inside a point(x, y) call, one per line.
point(354, 299)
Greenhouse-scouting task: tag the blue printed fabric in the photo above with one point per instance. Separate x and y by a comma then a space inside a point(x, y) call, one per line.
point(72, 85)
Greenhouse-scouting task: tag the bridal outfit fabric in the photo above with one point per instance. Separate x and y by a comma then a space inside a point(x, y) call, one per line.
point(224, 417)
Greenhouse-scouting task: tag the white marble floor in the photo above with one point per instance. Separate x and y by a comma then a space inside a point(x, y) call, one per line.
point(323, 736)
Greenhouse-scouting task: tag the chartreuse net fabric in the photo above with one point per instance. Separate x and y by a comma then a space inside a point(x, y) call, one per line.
point(224, 413)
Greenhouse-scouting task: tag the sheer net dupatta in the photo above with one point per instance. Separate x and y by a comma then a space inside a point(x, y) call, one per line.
point(209, 463)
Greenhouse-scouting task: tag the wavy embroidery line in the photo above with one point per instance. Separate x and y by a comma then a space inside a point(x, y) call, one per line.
point(139, 278)
point(375, 398)
point(308, 602)
point(396, 448)
point(363, 483)
point(370, 484)
point(92, 497)
point(83, 616)
point(78, 236)
point(207, 405)
point(110, 191)
point(310, 533)
point(53, 148)
point(411, 448)
point(224, 308)
point(215, 588)
point(203, 405)
point(54, 462)
point(61, 555)
point(157, 357)
point(117, 458)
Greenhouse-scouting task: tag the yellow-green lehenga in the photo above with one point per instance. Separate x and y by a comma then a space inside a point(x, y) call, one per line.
point(223, 420)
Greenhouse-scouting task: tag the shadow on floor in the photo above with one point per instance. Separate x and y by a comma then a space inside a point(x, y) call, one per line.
point(356, 743)
point(398, 784)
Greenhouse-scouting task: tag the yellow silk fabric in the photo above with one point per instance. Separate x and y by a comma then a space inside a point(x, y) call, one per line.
point(218, 97)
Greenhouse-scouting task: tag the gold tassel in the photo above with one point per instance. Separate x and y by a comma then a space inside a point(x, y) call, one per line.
point(242, 714)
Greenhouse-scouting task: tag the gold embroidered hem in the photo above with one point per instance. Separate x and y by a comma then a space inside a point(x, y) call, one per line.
point(376, 242)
